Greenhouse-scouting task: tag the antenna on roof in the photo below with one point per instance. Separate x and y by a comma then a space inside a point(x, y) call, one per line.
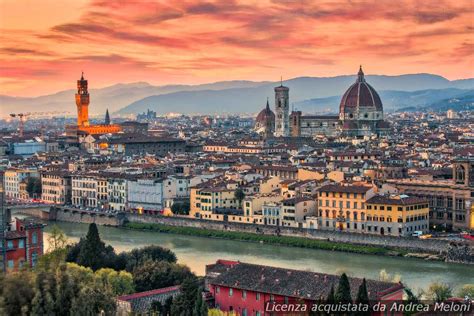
point(281, 81)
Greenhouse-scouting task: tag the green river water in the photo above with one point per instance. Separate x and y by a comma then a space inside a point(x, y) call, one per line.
point(196, 252)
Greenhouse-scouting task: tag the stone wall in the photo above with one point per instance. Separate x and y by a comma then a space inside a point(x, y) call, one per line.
point(37, 212)
point(80, 216)
point(459, 253)
point(410, 244)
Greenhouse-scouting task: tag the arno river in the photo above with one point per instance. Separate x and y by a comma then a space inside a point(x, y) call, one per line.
point(196, 252)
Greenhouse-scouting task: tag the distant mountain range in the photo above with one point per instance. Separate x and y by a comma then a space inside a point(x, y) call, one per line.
point(309, 94)
point(462, 102)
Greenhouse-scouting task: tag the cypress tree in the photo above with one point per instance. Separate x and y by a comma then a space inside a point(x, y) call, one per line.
point(362, 297)
point(362, 294)
point(343, 292)
point(92, 250)
point(330, 299)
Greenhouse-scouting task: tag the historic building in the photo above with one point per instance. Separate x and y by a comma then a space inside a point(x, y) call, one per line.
point(360, 114)
point(361, 110)
point(265, 122)
point(83, 124)
point(248, 289)
point(282, 110)
point(23, 244)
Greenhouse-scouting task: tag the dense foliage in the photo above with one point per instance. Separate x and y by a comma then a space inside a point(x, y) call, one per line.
point(94, 277)
point(33, 186)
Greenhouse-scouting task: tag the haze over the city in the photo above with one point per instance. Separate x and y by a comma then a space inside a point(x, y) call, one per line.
point(190, 42)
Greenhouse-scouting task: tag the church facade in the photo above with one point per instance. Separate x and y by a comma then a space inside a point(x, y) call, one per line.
point(360, 114)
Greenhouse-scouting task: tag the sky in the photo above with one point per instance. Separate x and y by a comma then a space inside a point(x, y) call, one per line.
point(44, 45)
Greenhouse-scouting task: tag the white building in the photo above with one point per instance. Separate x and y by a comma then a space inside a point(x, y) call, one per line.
point(84, 190)
point(145, 194)
point(117, 193)
point(13, 179)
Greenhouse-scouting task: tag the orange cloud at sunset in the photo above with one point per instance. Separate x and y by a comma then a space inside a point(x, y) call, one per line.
point(46, 44)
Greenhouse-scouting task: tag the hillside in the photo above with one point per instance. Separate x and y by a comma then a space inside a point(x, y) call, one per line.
point(220, 97)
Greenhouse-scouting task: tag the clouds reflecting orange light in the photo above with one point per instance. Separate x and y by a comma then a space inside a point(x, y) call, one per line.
point(45, 44)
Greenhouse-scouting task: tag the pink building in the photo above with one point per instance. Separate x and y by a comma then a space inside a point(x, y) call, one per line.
point(246, 288)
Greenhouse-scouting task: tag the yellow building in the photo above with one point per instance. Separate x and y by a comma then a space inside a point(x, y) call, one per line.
point(399, 215)
point(342, 207)
point(207, 198)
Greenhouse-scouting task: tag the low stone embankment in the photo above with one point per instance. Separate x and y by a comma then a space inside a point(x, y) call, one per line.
point(430, 249)
point(411, 244)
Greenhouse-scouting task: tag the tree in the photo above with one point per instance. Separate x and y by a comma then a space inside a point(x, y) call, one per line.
point(43, 302)
point(439, 292)
point(239, 195)
point(184, 303)
point(57, 240)
point(181, 208)
point(362, 294)
point(331, 299)
point(200, 306)
point(66, 292)
point(467, 290)
point(93, 252)
point(17, 291)
point(129, 260)
point(33, 186)
point(118, 283)
point(93, 300)
point(363, 297)
point(158, 274)
point(411, 298)
point(162, 309)
point(343, 292)
point(387, 277)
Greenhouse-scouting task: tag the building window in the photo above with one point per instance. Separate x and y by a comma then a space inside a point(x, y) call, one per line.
point(231, 292)
point(257, 296)
point(11, 264)
point(10, 244)
point(257, 313)
point(218, 289)
point(34, 259)
point(21, 243)
point(244, 312)
point(34, 238)
point(244, 294)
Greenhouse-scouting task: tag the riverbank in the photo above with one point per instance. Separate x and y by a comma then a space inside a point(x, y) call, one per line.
point(261, 238)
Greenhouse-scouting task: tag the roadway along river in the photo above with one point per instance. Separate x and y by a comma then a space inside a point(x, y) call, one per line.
point(196, 252)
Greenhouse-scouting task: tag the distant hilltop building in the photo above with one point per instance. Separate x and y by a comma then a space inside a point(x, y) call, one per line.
point(360, 114)
point(149, 115)
point(451, 114)
point(83, 125)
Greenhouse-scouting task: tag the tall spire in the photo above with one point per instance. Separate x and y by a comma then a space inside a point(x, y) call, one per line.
point(360, 75)
point(82, 75)
point(107, 117)
point(268, 105)
point(281, 81)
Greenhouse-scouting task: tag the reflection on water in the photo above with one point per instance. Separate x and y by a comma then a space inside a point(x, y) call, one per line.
point(196, 252)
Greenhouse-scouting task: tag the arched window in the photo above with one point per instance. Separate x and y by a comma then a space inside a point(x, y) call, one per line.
point(34, 238)
point(460, 174)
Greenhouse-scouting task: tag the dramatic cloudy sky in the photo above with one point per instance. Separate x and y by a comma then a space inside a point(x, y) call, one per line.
point(45, 44)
